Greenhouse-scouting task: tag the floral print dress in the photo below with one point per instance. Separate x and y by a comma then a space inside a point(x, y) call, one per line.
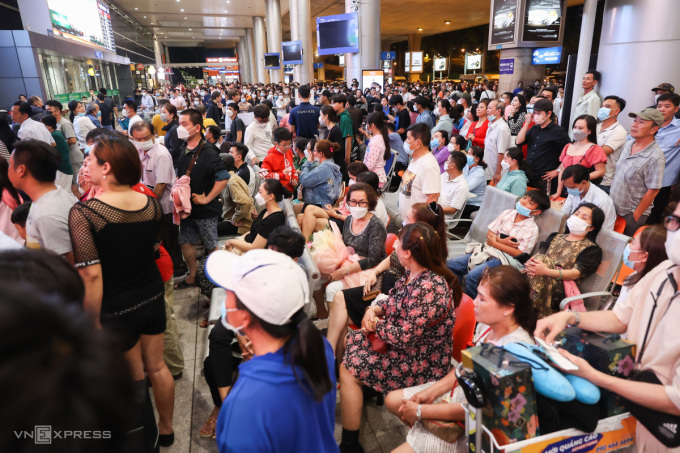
point(417, 326)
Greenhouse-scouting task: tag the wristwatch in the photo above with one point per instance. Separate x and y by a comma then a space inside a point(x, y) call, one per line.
point(577, 315)
point(419, 414)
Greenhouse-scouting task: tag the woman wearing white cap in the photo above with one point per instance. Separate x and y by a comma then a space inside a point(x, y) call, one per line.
point(291, 372)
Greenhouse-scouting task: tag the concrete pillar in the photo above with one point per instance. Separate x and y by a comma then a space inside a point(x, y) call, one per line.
point(250, 56)
point(300, 15)
point(523, 71)
point(157, 52)
point(353, 60)
point(369, 24)
point(242, 56)
point(258, 49)
point(638, 48)
point(273, 12)
point(583, 58)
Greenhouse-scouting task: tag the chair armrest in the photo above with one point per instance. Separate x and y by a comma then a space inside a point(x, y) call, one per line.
point(566, 300)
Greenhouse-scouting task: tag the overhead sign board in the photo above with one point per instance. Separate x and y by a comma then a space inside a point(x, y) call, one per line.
point(526, 23)
point(318, 65)
point(507, 66)
point(503, 28)
point(228, 64)
point(388, 55)
point(542, 21)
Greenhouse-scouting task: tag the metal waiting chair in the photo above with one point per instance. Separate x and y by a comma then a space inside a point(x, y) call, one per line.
point(597, 287)
point(389, 169)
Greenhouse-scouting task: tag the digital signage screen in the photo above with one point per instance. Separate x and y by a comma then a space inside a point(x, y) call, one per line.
point(417, 61)
point(474, 62)
point(291, 52)
point(337, 34)
point(85, 21)
point(272, 61)
point(542, 20)
point(504, 21)
point(547, 55)
point(369, 77)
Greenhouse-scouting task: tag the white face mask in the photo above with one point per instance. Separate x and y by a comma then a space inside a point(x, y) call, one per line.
point(656, 98)
point(143, 146)
point(505, 165)
point(446, 166)
point(261, 125)
point(182, 133)
point(260, 199)
point(577, 225)
point(225, 323)
point(673, 246)
point(451, 147)
point(357, 212)
point(230, 114)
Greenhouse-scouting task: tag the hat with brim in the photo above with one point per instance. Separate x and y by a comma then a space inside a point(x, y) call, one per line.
point(665, 87)
point(270, 284)
point(649, 114)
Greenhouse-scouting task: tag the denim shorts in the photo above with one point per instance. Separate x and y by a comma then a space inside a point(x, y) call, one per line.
point(191, 230)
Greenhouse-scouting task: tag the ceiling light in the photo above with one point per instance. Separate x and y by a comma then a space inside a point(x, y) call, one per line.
point(185, 18)
point(447, 22)
point(136, 9)
point(420, 29)
point(144, 17)
point(182, 10)
point(190, 29)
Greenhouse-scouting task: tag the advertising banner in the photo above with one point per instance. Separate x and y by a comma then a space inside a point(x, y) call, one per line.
point(504, 22)
point(542, 20)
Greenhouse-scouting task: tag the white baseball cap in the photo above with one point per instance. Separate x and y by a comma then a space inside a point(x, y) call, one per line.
point(269, 283)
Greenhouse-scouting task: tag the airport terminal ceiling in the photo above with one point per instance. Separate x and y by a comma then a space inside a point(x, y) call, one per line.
point(213, 22)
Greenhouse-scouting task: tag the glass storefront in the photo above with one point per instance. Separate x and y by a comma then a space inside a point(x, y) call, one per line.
point(71, 78)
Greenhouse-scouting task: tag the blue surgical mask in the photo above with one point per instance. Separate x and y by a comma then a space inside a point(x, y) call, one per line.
point(603, 113)
point(470, 160)
point(226, 324)
point(81, 114)
point(526, 212)
point(86, 151)
point(575, 191)
point(491, 118)
point(407, 149)
point(434, 143)
point(626, 257)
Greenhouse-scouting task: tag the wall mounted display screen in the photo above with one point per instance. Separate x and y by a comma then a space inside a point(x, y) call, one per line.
point(337, 34)
point(542, 20)
point(369, 77)
point(85, 21)
point(504, 20)
point(474, 62)
point(272, 61)
point(407, 62)
point(417, 61)
point(440, 64)
point(547, 55)
point(291, 52)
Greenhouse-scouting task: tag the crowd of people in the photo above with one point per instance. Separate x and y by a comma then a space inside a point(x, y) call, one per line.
point(134, 201)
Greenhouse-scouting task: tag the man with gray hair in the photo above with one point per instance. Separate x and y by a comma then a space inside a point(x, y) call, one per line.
point(498, 140)
point(93, 113)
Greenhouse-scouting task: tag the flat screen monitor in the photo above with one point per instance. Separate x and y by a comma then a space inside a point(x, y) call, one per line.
point(369, 77)
point(272, 61)
point(542, 21)
point(291, 52)
point(337, 34)
point(84, 21)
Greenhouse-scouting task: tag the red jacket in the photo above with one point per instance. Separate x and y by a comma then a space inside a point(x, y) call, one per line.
point(280, 166)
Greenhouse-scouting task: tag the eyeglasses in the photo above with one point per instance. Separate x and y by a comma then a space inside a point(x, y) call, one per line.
point(671, 222)
point(354, 203)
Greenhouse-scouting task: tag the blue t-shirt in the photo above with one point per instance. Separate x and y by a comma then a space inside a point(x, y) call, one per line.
point(268, 410)
point(305, 118)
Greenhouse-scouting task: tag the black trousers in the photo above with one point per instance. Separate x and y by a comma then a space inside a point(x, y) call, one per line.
point(219, 366)
point(169, 234)
point(660, 203)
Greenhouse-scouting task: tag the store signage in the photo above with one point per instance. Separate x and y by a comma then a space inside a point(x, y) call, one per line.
point(140, 66)
point(214, 60)
point(547, 55)
point(98, 54)
point(507, 66)
point(388, 55)
point(504, 22)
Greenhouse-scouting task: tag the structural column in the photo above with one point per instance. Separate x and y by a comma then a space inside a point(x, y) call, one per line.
point(250, 56)
point(638, 48)
point(300, 15)
point(157, 52)
point(242, 58)
point(414, 44)
point(583, 57)
point(273, 12)
point(258, 47)
point(523, 70)
point(353, 60)
point(369, 26)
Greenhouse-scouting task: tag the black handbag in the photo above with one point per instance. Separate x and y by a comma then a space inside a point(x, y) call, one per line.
point(663, 426)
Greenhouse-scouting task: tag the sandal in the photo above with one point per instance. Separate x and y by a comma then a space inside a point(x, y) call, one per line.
point(211, 423)
point(183, 284)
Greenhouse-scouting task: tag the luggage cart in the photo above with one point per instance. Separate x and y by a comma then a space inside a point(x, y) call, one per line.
point(612, 434)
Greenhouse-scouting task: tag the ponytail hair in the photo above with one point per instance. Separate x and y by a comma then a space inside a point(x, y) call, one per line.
point(433, 215)
point(326, 147)
point(476, 151)
point(274, 187)
point(421, 240)
point(304, 349)
point(515, 153)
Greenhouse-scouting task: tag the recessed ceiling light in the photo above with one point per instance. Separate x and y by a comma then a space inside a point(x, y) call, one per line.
point(144, 17)
point(182, 10)
point(151, 23)
point(136, 9)
point(185, 18)
point(447, 22)
point(420, 29)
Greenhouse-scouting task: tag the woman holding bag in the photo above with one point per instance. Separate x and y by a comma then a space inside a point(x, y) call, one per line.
point(415, 322)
